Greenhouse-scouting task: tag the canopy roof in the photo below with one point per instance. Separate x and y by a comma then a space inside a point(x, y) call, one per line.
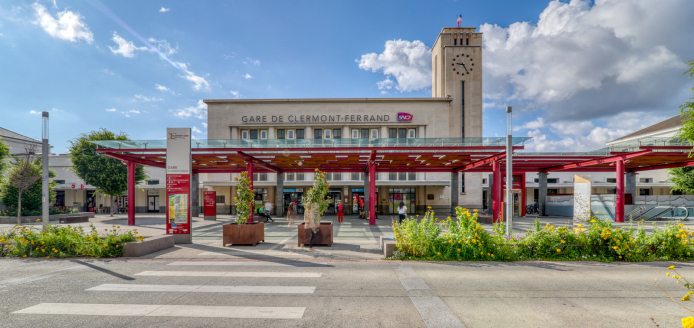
point(397, 155)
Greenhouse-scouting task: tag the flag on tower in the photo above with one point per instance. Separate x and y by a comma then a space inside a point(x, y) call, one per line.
point(460, 18)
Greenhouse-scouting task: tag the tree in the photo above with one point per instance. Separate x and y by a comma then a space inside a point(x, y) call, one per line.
point(683, 177)
point(108, 175)
point(22, 175)
point(244, 198)
point(32, 199)
point(4, 154)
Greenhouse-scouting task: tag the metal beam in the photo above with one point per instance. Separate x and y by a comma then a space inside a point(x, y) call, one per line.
point(481, 162)
point(137, 160)
point(604, 160)
point(259, 162)
point(660, 167)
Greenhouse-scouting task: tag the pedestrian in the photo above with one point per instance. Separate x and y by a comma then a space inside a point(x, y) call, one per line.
point(291, 214)
point(402, 212)
point(268, 208)
point(340, 212)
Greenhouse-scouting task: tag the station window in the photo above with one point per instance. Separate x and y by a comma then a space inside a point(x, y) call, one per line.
point(355, 133)
point(611, 191)
point(411, 133)
point(219, 199)
point(259, 176)
point(290, 134)
point(402, 133)
point(402, 176)
point(646, 180)
point(59, 181)
point(152, 182)
point(337, 133)
point(611, 180)
point(244, 134)
point(484, 181)
point(254, 134)
point(455, 42)
point(644, 192)
point(412, 176)
point(553, 180)
point(392, 133)
point(280, 134)
point(317, 133)
point(263, 134)
point(328, 134)
point(299, 133)
point(364, 134)
point(374, 133)
point(462, 183)
point(300, 177)
point(289, 176)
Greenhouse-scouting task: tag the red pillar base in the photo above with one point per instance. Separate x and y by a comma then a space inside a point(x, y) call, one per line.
point(131, 193)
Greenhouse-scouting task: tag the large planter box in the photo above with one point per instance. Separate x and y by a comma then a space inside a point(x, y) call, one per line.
point(250, 233)
point(147, 246)
point(324, 237)
point(32, 219)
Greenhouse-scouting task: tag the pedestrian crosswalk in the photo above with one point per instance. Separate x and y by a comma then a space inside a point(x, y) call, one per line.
point(199, 311)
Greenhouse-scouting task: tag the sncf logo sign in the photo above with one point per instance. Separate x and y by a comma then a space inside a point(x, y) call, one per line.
point(404, 117)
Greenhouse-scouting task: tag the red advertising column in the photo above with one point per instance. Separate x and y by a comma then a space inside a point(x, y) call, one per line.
point(178, 184)
point(210, 204)
point(496, 190)
point(619, 210)
point(249, 169)
point(131, 193)
point(372, 193)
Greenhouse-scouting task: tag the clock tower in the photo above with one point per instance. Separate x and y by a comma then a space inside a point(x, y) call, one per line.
point(456, 72)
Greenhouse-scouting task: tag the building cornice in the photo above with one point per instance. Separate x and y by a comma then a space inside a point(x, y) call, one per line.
point(326, 100)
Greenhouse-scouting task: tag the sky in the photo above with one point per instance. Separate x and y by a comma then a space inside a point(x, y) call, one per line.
point(577, 73)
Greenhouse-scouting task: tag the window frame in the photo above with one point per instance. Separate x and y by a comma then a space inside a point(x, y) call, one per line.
point(245, 134)
point(355, 133)
point(283, 133)
point(291, 135)
point(337, 133)
point(411, 133)
point(327, 133)
point(303, 134)
point(261, 133)
point(251, 134)
point(371, 133)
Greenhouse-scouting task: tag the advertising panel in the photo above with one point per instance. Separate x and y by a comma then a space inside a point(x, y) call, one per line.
point(210, 204)
point(178, 183)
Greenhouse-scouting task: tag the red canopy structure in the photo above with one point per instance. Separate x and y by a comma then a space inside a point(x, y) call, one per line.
point(449, 155)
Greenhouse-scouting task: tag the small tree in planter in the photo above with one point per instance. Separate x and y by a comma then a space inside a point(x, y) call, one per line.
point(315, 202)
point(243, 232)
point(244, 198)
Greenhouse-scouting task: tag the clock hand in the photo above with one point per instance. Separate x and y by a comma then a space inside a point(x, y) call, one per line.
point(463, 64)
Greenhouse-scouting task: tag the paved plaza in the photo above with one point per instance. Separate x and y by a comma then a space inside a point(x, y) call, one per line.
point(278, 284)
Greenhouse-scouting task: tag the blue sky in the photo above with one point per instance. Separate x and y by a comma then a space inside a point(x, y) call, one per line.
point(64, 57)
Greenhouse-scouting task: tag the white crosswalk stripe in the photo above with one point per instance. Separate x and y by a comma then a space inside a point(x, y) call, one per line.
point(205, 289)
point(240, 312)
point(231, 274)
point(249, 263)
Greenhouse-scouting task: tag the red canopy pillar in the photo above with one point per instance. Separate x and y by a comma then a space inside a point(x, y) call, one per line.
point(131, 193)
point(372, 193)
point(496, 190)
point(249, 169)
point(619, 210)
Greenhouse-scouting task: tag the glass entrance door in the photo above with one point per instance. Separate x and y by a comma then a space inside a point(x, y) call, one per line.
point(405, 195)
point(153, 203)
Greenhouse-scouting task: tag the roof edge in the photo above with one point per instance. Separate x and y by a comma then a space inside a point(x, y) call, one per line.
point(329, 100)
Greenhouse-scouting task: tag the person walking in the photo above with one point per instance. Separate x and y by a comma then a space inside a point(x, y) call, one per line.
point(268, 208)
point(340, 212)
point(402, 212)
point(291, 214)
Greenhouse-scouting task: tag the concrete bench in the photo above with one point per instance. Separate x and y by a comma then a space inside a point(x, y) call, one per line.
point(149, 245)
point(73, 219)
point(387, 245)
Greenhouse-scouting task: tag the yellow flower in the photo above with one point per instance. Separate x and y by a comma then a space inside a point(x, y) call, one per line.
point(439, 253)
point(592, 221)
point(24, 255)
point(688, 322)
point(492, 255)
point(38, 220)
point(672, 267)
point(663, 243)
point(562, 241)
point(667, 274)
point(558, 250)
point(580, 225)
point(686, 298)
point(48, 257)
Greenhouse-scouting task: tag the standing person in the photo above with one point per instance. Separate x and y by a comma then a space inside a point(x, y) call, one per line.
point(291, 214)
point(268, 208)
point(340, 212)
point(402, 212)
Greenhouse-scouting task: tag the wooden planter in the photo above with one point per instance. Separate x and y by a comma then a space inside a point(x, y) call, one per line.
point(324, 237)
point(250, 233)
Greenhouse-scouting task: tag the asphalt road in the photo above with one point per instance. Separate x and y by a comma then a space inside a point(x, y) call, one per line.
point(334, 293)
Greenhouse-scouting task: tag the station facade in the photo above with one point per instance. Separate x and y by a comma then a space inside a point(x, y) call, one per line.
point(453, 111)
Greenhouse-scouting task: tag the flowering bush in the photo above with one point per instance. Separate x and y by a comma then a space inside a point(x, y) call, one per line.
point(466, 240)
point(244, 198)
point(12, 211)
point(687, 322)
point(65, 241)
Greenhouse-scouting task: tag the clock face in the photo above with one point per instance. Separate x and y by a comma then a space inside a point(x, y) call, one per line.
point(462, 64)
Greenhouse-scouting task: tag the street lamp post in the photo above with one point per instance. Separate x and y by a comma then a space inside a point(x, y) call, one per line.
point(44, 170)
point(509, 172)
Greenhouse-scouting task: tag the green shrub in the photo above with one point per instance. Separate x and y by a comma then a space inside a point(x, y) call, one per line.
point(65, 241)
point(467, 240)
point(12, 211)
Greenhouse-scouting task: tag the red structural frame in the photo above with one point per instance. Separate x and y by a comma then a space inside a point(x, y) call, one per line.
point(408, 159)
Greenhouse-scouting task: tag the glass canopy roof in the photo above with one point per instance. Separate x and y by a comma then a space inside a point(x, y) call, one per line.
point(315, 143)
point(636, 144)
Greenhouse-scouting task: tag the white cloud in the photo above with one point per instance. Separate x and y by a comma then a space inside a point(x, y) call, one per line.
point(68, 26)
point(408, 62)
point(108, 72)
point(198, 111)
point(163, 46)
point(146, 99)
point(199, 81)
point(125, 48)
point(236, 94)
point(164, 10)
point(532, 125)
point(196, 130)
point(134, 111)
point(33, 112)
point(57, 110)
point(204, 125)
point(585, 60)
point(247, 76)
point(111, 110)
point(575, 128)
point(164, 89)
point(251, 61)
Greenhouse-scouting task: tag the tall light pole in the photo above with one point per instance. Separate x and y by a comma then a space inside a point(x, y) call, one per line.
point(509, 172)
point(44, 170)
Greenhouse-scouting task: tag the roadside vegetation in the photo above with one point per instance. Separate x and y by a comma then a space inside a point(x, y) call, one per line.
point(65, 241)
point(466, 240)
